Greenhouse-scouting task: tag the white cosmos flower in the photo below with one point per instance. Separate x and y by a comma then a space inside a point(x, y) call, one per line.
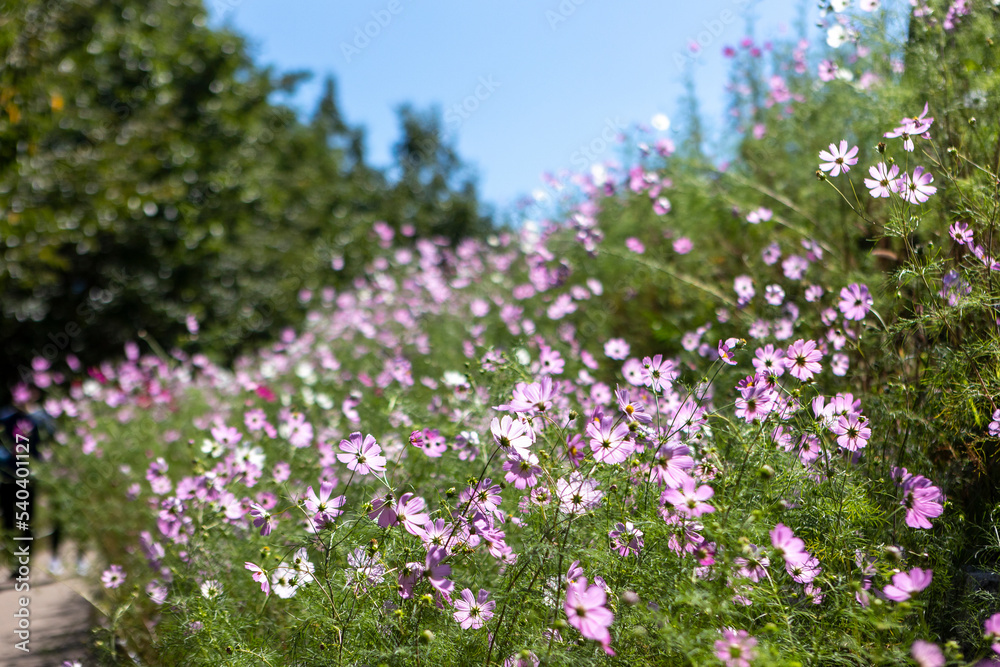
point(836, 36)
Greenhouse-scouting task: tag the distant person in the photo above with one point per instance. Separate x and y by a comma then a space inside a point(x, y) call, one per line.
point(20, 447)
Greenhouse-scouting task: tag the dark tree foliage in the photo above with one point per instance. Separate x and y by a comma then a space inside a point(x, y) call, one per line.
point(146, 174)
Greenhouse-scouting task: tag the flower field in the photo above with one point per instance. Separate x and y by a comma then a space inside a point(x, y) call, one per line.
point(690, 414)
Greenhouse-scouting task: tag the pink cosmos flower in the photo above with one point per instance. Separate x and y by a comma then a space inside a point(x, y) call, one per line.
point(802, 359)
point(261, 518)
point(827, 71)
point(616, 348)
point(916, 189)
point(586, 611)
point(610, 443)
point(759, 215)
point(325, 508)
point(789, 547)
point(769, 360)
point(905, 584)
point(522, 472)
point(884, 180)
point(961, 233)
point(532, 398)
point(633, 410)
point(512, 435)
point(689, 500)
point(577, 494)
point(522, 659)
point(410, 513)
point(362, 457)
point(260, 576)
point(635, 245)
point(804, 571)
point(484, 496)
point(661, 206)
point(113, 577)
point(735, 649)
point(726, 348)
point(992, 629)
point(927, 654)
point(853, 431)
point(922, 504)
point(795, 267)
point(671, 464)
point(911, 127)
point(855, 301)
point(658, 373)
point(473, 612)
point(683, 245)
point(626, 539)
point(743, 286)
point(755, 402)
point(838, 159)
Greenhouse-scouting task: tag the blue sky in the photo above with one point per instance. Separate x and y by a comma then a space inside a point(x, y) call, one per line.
point(522, 84)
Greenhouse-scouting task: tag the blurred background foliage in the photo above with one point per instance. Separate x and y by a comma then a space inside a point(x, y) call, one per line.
point(149, 171)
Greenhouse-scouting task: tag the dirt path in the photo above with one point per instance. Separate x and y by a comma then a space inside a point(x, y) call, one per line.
point(60, 621)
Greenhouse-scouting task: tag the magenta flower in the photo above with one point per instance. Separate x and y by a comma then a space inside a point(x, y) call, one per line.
point(927, 654)
point(473, 612)
point(827, 71)
point(523, 658)
point(804, 571)
point(689, 499)
point(760, 215)
point(922, 503)
point(725, 350)
point(884, 180)
point(325, 508)
point(633, 410)
point(616, 348)
point(113, 577)
point(657, 373)
point(853, 431)
point(992, 629)
point(512, 435)
point(610, 443)
point(522, 472)
point(916, 189)
point(484, 496)
point(586, 611)
point(577, 494)
point(911, 127)
point(410, 513)
point(683, 245)
point(626, 539)
point(735, 649)
point(961, 233)
point(905, 584)
point(755, 402)
point(802, 359)
point(437, 572)
point(260, 576)
point(362, 457)
point(838, 159)
point(671, 464)
point(769, 360)
point(532, 398)
point(855, 301)
point(789, 547)
point(261, 518)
